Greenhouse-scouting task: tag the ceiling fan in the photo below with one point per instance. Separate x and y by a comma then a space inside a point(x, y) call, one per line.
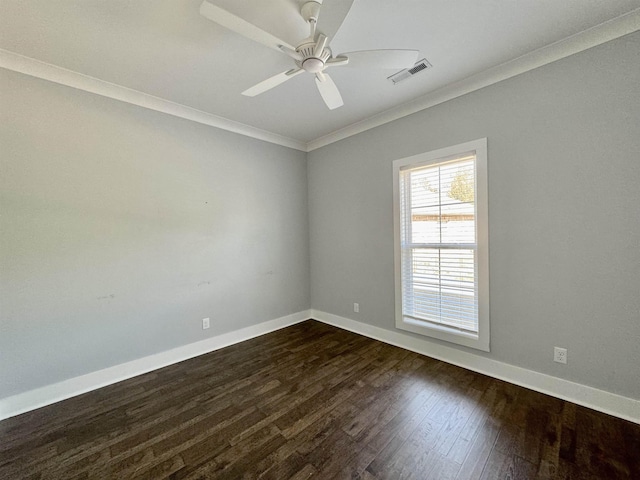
point(312, 54)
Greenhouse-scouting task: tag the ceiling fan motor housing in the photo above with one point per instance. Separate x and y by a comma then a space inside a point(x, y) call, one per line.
point(310, 62)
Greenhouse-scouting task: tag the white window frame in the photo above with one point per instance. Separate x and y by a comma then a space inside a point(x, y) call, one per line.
point(481, 340)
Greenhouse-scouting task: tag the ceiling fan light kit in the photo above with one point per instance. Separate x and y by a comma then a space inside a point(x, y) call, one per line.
point(312, 54)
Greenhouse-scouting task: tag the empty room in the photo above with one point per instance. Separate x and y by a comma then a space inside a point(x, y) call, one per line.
point(333, 239)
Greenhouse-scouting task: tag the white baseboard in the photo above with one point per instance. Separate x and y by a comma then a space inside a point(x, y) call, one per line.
point(40, 397)
point(600, 400)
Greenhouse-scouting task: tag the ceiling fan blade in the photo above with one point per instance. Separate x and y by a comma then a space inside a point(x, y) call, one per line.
point(332, 15)
point(391, 59)
point(292, 53)
point(269, 83)
point(241, 26)
point(336, 61)
point(328, 91)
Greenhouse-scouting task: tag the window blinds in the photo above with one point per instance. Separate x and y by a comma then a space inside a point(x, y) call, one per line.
point(438, 244)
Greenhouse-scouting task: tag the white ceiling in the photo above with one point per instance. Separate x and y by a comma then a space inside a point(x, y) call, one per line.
point(166, 49)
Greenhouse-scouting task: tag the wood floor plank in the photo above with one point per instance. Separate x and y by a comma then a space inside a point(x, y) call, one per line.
point(462, 444)
point(508, 466)
point(481, 448)
point(314, 401)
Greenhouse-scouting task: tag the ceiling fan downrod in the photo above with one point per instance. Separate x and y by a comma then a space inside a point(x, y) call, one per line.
point(314, 54)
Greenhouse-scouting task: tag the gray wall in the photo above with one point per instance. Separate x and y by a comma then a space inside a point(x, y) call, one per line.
point(564, 215)
point(121, 228)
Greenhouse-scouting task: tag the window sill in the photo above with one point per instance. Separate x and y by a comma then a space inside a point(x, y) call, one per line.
point(442, 332)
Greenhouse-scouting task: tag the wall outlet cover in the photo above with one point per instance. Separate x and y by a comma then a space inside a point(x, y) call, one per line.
point(560, 355)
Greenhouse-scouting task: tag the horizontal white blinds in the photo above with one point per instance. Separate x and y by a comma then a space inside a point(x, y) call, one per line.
point(438, 238)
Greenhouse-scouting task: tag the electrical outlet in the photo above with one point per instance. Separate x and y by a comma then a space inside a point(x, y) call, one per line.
point(356, 307)
point(205, 323)
point(559, 355)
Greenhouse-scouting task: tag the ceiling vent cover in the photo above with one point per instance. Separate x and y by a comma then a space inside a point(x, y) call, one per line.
point(410, 72)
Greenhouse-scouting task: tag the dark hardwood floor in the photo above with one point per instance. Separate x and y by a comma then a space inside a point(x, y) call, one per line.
point(316, 401)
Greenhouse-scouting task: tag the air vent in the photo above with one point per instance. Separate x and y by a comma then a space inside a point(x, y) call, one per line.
point(410, 72)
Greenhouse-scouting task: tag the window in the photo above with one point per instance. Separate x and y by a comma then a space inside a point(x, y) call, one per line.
point(441, 244)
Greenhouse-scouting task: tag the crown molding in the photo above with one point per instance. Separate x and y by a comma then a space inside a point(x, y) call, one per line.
point(607, 31)
point(592, 37)
point(46, 71)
